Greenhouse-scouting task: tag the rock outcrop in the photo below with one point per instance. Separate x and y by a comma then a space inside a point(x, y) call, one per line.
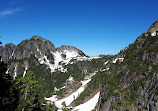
point(7, 51)
point(135, 85)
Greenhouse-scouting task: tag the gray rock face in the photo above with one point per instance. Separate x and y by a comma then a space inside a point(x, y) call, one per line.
point(36, 46)
point(70, 48)
point(154, 27)
point(7, 51)
point(31, 51)
point(146, 101)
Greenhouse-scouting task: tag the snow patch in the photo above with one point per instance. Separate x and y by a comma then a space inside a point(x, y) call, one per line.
point(25, 71)
point(90, 75)
point(70, 54)
point(37, 49)
point(154, 33)
point(106, 63)
point(120, 59)
point(68, 100)
point(53, 67)
point(7, 71)
point(87, 58)
point(70, 79)
point(102, 70)
point(11, 55)
point(63, 57)
point(15, 73)
point(89, 105)
point(56, 89)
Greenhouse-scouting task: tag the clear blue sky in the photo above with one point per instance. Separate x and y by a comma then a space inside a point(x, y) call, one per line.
point(94, 26)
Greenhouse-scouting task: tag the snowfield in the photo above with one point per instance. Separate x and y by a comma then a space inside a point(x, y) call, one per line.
point(68, 100)
point(58, 59)
point(89, 105)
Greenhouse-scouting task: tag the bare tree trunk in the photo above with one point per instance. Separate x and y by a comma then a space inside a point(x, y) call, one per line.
point(26, 92)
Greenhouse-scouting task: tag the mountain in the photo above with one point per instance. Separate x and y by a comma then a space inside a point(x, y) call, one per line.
point(53, 66)
point(133, 83)
point(153, 29)
point(125, 81)
point(41, 49)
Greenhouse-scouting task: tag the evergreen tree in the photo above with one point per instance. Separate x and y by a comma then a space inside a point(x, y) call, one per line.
point(65, 108)
point(31, 98)
point(8, 93)
point(27, 86)
point(37, 104)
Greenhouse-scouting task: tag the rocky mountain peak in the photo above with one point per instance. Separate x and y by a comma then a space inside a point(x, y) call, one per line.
point(36, 46)
point(10, 45)
point(36, 37)
point(66, 47)
point(71, 49)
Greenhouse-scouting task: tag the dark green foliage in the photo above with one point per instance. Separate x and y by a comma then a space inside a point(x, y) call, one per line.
point(63, 56)
point(75, 71)
point(27, 86)
point(50, 57)
point(8, 94)
point(45, 78)
point(31, 95)
point(91, 87)
point(60, 92)
point(49, 107)
point(65, 108)
point(97, 80)
point(138, 67)
point(43, 74)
